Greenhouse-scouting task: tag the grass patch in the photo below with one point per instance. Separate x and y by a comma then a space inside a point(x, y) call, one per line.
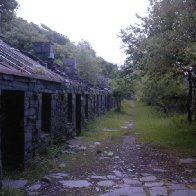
point(158, 128)
point(11, 192)
point(112, 120)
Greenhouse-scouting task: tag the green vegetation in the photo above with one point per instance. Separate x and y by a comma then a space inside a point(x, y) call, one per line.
point(161, 56)
point(11, 192)
point(20, 34)
point(152, 126)
point(112, 120)
point(168, 130)
point(120, 85)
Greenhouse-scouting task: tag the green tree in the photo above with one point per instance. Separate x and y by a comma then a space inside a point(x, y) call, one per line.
point(120, 85)
point(162, 48)
point(8, 5)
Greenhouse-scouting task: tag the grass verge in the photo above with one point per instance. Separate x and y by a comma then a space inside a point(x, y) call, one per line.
point(158, 128)
point(112, 122)
point(11, 192)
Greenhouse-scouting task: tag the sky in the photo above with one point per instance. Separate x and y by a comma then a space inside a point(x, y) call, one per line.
point(96, 21)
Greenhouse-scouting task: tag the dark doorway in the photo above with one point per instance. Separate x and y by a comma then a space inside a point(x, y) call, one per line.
point(108, 102)
point(78, 114)
point(69, 108)
point(86, 106)
point(97, 103)
point(101, 102)
point(12, 137)
point(94, 104)
point(105, 101)
point(46, 112)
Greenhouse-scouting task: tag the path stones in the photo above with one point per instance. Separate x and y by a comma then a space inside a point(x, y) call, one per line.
point(158, 191)
point(34, 187)
point(97, 143)
point(68, 152)
point(112, 177)
point(99, 177)
point(148, 178)
point(110, 154)
point(126, 191)
point(132, 181)
point(74, 143)
point(82, 148)
point(153, 184)
point(75, 183)
point(189, 171)
point(159, 170)
point(145, 174)
point(118, 173)
point(124, 127)
point(193, 179)
point(106, 183)
point(110, 130)
point(15, 184)
point(58, 175)
point(176, 186)
point(187, 161)
point(184, 193)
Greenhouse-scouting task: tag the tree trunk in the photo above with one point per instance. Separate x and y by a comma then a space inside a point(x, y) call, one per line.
point(118, 102)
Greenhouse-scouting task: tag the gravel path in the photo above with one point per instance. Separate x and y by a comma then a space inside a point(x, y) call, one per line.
point(119, 168)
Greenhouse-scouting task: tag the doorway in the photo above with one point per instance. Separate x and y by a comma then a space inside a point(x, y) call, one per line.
point(86, 106)
point(46, 112)
point(78, 114)
point(12, 124)
point(98, 104)
point(69, 108)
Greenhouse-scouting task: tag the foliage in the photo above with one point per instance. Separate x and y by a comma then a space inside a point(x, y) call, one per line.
point(21, 34)
point(8, 8)
point(168, 130)
point(12, 192)
point(161, 54)
point(120, 85)
point(8, 5)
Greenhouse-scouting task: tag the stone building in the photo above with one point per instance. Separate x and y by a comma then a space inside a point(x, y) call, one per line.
point(42, 103)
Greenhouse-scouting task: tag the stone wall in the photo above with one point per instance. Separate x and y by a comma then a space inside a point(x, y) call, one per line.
point(0, 144)
point(37, 140)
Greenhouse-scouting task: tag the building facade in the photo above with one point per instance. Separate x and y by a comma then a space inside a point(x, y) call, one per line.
point(42, 103)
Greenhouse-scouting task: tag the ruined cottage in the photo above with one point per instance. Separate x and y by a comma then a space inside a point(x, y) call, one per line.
point(42, 103)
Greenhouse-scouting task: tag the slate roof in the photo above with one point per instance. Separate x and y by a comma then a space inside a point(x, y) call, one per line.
point(13, 62)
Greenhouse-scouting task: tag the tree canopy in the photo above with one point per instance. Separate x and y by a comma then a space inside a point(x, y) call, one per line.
point(8, 5)
point(161, 55)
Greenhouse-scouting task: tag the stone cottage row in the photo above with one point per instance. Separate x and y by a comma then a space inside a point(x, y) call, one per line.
point(42, 103)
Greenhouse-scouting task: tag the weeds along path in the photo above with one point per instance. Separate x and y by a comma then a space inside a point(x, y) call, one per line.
point(108, 160)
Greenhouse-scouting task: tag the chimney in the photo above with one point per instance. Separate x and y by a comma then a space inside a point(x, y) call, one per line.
point(44, 51)
point(70, 65)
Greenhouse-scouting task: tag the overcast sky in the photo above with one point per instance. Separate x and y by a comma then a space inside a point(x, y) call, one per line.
point(96, 21)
